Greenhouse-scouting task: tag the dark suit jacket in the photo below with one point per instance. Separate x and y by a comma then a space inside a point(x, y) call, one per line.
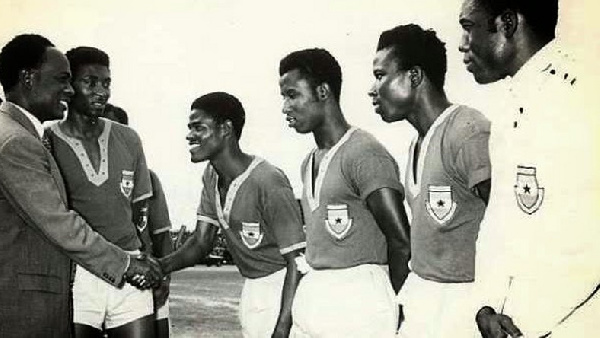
point(39, 236)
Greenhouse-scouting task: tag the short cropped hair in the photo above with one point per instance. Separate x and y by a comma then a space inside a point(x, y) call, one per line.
point(316, 65)
point(412, 46)
point(540, 15)
point(116, 113)
point(221, 106)
point(26, 51)
point(83, 56)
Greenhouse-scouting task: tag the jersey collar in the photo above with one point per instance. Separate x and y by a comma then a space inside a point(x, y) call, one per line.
point(313, 199)
point(223, 212)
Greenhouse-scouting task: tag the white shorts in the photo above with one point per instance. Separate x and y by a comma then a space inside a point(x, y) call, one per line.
point(260, 304)
point(433, 309)
point(96, 302)
point(353, 302)
point(162, 312)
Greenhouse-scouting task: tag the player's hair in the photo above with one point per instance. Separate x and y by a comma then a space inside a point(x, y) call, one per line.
point(83, 56)
point(25, 51)
point(412, 46)
point(541, 15)
point(221, 106)
point(317, 66)
point(115, 113)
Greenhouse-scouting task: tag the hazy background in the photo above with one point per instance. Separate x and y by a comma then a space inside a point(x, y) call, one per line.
point(164, 54)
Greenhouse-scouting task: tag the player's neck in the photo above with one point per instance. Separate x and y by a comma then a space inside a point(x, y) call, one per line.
point(231, 163)
point(524, 45)
point(427, 111)
point(83, 126)
point(331, 130)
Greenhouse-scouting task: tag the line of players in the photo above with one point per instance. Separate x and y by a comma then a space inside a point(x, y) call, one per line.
point(346, 272)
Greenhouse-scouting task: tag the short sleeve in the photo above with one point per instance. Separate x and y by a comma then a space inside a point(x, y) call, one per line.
point(158, 211)
point(207, 211)
point(373, 168)
point(473, 159)
point(142, 188)
point(282, 213)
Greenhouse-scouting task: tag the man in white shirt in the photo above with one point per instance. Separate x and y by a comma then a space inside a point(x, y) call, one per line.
point(537, 253)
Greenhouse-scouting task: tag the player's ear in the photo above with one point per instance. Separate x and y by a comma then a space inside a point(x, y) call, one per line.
point(323, 91)
point(227, 128)
point(509, 20)
point(26, 77)
point(416, 76)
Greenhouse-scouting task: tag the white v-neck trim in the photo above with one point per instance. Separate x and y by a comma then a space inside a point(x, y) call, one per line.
point(96, 178)
point(313, 199)
point(414, 185)
point(224, 212)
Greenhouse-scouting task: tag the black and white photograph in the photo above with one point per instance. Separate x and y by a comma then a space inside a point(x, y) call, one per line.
point(303, 169)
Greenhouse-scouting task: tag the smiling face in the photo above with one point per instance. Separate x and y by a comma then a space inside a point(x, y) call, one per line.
point(392, 93)
point(50, 87)
point(484, 46)
point(300, 103)
point(92, 90)
point(205, 137)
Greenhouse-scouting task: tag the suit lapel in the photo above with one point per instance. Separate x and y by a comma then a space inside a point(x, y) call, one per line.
point(20, 118)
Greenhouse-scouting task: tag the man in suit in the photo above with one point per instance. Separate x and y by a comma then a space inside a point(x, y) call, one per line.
point(40, 235)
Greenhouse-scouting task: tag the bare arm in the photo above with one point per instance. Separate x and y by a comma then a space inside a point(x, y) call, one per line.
point(292, 277)
point(194, 249)
point(162, 244)
point(386, 206)
point(482, 189)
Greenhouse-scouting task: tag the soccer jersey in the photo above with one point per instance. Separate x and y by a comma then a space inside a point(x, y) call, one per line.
point(539, 237)
point(260, 217)
point(341, 232)
point(158, 211)
point(104, 197)
point(446, 212)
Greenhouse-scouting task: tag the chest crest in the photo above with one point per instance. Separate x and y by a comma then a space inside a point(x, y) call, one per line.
point(440, 203)
point(528, 193)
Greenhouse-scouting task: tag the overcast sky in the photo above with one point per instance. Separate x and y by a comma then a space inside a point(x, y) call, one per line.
point(164, 54)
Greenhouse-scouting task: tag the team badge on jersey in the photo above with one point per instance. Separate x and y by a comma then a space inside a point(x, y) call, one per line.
point(527, 190)
point(440, 205)
point(337, 222)
point(251, 235)
point(127, 182)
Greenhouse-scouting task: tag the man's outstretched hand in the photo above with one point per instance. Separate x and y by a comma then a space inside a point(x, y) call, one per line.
point(143, 272)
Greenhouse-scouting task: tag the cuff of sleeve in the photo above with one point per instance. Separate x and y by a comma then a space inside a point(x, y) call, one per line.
point(479, 175)
point(161, 230)
point(208, 220)
point(391, 185)
point(293, 247)
point(142, 197)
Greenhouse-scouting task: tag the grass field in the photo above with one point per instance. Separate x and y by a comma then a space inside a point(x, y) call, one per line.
point(204, 302)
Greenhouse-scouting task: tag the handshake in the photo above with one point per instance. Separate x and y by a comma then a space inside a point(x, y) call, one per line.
point(144, 272)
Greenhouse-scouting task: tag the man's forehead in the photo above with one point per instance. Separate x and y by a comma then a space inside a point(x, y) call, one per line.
point(384, 56)
point(291, 78)
point(199, 116)
point(470, 8)
point(55, 60)
point(94, 68)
